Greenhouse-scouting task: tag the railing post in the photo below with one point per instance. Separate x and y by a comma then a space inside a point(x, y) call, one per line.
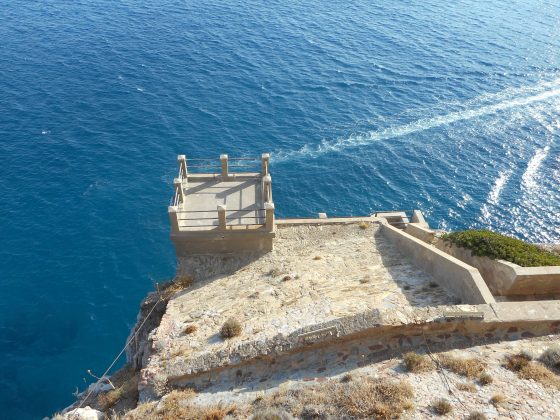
point(269, 208)
point(267, 188)
point(265, 162)
point(182, 161)
point(177, 183)
point(222, 216)
point(224, 160)
point(173, 218)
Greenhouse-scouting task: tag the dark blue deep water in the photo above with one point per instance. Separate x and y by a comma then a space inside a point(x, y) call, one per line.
point(450, 107)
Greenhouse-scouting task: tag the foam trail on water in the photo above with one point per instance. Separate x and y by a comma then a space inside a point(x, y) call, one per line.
point(499, 184)
point(529, 176)
point(494, 194)
point(553, 90)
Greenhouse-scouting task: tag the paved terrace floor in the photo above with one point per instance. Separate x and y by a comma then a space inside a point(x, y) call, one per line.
point(314, 274)
point(242, 197)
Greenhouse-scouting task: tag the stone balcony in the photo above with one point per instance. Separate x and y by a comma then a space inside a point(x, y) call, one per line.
point(222, 206)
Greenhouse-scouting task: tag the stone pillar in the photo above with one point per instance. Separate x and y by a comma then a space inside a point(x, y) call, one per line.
point(173, 218)
point(267, 188)
point(224, 160)
point(182, 161)
point(265, 163)
point(179, 186)
point(222, 216)
point(269, 209)
point(418, 217)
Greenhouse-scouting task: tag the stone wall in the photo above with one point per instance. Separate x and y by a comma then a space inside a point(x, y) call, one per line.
point(452, 274)
point(505, 278)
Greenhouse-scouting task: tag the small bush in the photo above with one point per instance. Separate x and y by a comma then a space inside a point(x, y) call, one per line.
point(414, 362)
point(363, 225)
point(286, 278)
point(317, 257)
point(477, 415)
point(551, 357)
point(497, 399)
point(191, 329)
point(231, 328)
point(485, 243)
point(471, 368)
point(442, 407)
point(485, 379)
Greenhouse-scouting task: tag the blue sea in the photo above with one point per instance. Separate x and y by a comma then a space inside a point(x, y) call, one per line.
point(451, 107)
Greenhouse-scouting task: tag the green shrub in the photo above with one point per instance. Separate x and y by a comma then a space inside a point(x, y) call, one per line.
point(484, 243)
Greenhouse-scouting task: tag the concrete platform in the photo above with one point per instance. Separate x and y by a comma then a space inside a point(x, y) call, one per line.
point(242, 195)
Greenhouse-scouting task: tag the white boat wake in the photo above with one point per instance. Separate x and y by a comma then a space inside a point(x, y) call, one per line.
point(511, 98)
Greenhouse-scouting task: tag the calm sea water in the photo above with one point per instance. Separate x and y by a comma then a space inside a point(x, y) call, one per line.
point(450, 107)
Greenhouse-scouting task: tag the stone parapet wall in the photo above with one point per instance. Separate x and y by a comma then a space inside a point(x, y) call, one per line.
point(505, 278)
point(452, 274)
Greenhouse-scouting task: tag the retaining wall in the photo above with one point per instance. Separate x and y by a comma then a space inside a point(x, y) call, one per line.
point(453, 275)
point(505, 278)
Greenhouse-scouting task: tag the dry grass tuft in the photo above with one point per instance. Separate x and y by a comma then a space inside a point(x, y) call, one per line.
point(126, 387)
point(477, 415)
point(177, 405)
point(540, 374)
point(231, 328)
point(176, 285)
point(442, 407)
point(517, 362)
point(346, 378)
point(471, 368)
point(414, 362)
point(361, 397)
point(527, 369)
point(485, 379)
point(551, 357)
point(191, 329)
point(363, 225)
point(465, 386)
point(498, 399)
point(143, 411)
point(271, 414)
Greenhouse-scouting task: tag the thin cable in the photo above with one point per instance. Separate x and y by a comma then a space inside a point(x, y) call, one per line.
point(121, 352)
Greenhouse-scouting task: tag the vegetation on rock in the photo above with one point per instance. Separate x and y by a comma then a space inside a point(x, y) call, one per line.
point(442, 407)
point(525, 368)
point(414, 362)
point(484, 243)
point(231, 328)
point(471, 368)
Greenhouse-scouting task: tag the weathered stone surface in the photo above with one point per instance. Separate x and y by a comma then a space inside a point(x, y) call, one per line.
point(316, 274)
point(85, 413)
